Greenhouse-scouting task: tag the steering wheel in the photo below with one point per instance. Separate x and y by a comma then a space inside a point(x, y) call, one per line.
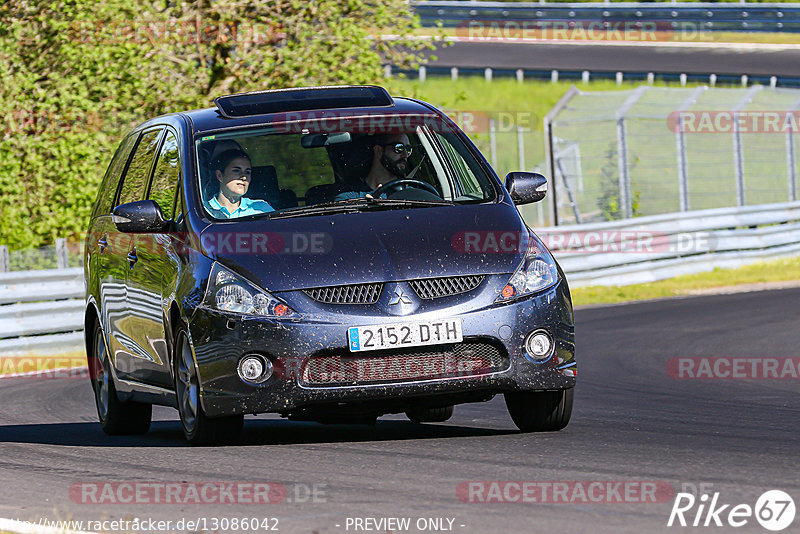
point(397, 185)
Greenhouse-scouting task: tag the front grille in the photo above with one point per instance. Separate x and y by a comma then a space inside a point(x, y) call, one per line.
point(432, 288)
point(467, 359)
point(351, 294)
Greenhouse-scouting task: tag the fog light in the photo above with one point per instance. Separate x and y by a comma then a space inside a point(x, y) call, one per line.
point(255, 368)
point(539, 345)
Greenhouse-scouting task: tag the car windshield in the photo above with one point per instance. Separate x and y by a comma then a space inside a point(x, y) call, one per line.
point(291, 171)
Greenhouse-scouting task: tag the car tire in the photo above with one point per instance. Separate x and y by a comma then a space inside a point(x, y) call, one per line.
point(116, 417)
point(540, 411)
point(198, 428)
point(420, 414)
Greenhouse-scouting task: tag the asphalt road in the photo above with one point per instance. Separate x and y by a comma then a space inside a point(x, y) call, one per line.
point(632, 58)
point(632, 422)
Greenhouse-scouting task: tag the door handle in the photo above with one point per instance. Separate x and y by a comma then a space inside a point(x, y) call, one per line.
point(132, 258)
point(102, 243)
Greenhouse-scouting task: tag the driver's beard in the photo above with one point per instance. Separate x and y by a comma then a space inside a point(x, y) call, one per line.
point(392, 167)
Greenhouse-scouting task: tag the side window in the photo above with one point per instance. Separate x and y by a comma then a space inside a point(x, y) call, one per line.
point(178, 217)
point(166, 176)
point(107, 191)
point(133, 186)
point(469, 184)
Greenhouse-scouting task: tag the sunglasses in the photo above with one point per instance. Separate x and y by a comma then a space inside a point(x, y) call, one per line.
point(399, 148)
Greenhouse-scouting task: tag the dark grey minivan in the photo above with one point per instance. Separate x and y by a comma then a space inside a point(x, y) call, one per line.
point(329, 254)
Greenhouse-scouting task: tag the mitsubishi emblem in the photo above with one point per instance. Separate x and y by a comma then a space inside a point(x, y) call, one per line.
point(399, 298)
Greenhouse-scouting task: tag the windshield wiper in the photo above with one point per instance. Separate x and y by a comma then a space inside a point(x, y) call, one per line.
point(349, 205)
point(404, 202)
point(316, 209)
point(354, 205)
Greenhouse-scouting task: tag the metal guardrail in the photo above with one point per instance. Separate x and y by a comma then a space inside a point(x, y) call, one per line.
point(646, 249)
point(776, 17)
point(43, 310)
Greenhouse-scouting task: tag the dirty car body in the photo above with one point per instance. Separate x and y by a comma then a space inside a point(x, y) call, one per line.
point(325, 301)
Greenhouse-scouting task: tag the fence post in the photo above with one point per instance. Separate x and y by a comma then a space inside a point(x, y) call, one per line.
point(680, 139)
point(738, 155)
point(521, 148)
point(4, 267)
point(622, 164)
point(738, 160)
point(791, 161)
point(423, 72)
point(683, 178)
point(625, 200)
point(62, 254)
point(493, 143)
point(549, 149)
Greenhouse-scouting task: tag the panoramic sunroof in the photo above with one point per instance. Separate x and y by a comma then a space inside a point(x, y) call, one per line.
point(302, 99)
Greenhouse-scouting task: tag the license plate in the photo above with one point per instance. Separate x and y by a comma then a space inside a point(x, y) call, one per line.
point(391, 336)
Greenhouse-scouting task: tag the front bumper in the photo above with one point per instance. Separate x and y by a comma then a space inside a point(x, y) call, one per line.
point(219, 341)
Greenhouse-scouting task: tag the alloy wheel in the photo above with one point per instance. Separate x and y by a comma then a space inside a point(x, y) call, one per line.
point(188, 386)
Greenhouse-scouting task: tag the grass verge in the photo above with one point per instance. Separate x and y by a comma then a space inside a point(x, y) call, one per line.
point(529, 101)
point(510, 102)
point(783, 270)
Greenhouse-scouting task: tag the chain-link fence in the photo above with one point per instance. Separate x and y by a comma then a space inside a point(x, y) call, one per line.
point(512, 148)
point(652, 150)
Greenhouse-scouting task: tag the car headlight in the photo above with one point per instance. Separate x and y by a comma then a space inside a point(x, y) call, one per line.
point(229, 292)
point(537, 271)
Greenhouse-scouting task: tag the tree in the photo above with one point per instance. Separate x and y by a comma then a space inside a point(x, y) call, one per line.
point(609, 200)
point(77, 73)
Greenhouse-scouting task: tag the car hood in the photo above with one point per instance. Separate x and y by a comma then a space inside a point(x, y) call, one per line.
point(371, 246)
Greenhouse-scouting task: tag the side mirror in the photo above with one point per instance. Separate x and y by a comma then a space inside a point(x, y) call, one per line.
point(526, 187)
point(140, 217)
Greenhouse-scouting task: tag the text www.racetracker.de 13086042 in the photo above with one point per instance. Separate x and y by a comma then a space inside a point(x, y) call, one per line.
point(146, 524)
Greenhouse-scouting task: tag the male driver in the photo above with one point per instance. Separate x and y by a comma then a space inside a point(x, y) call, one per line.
point(389, 162)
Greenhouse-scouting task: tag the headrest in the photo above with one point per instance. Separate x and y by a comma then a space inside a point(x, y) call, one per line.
point(264, 184)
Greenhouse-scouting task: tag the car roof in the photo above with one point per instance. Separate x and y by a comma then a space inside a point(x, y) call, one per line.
point(210, 119)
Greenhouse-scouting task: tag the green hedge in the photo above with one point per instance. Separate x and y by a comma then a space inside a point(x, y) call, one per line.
point(76, 74)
